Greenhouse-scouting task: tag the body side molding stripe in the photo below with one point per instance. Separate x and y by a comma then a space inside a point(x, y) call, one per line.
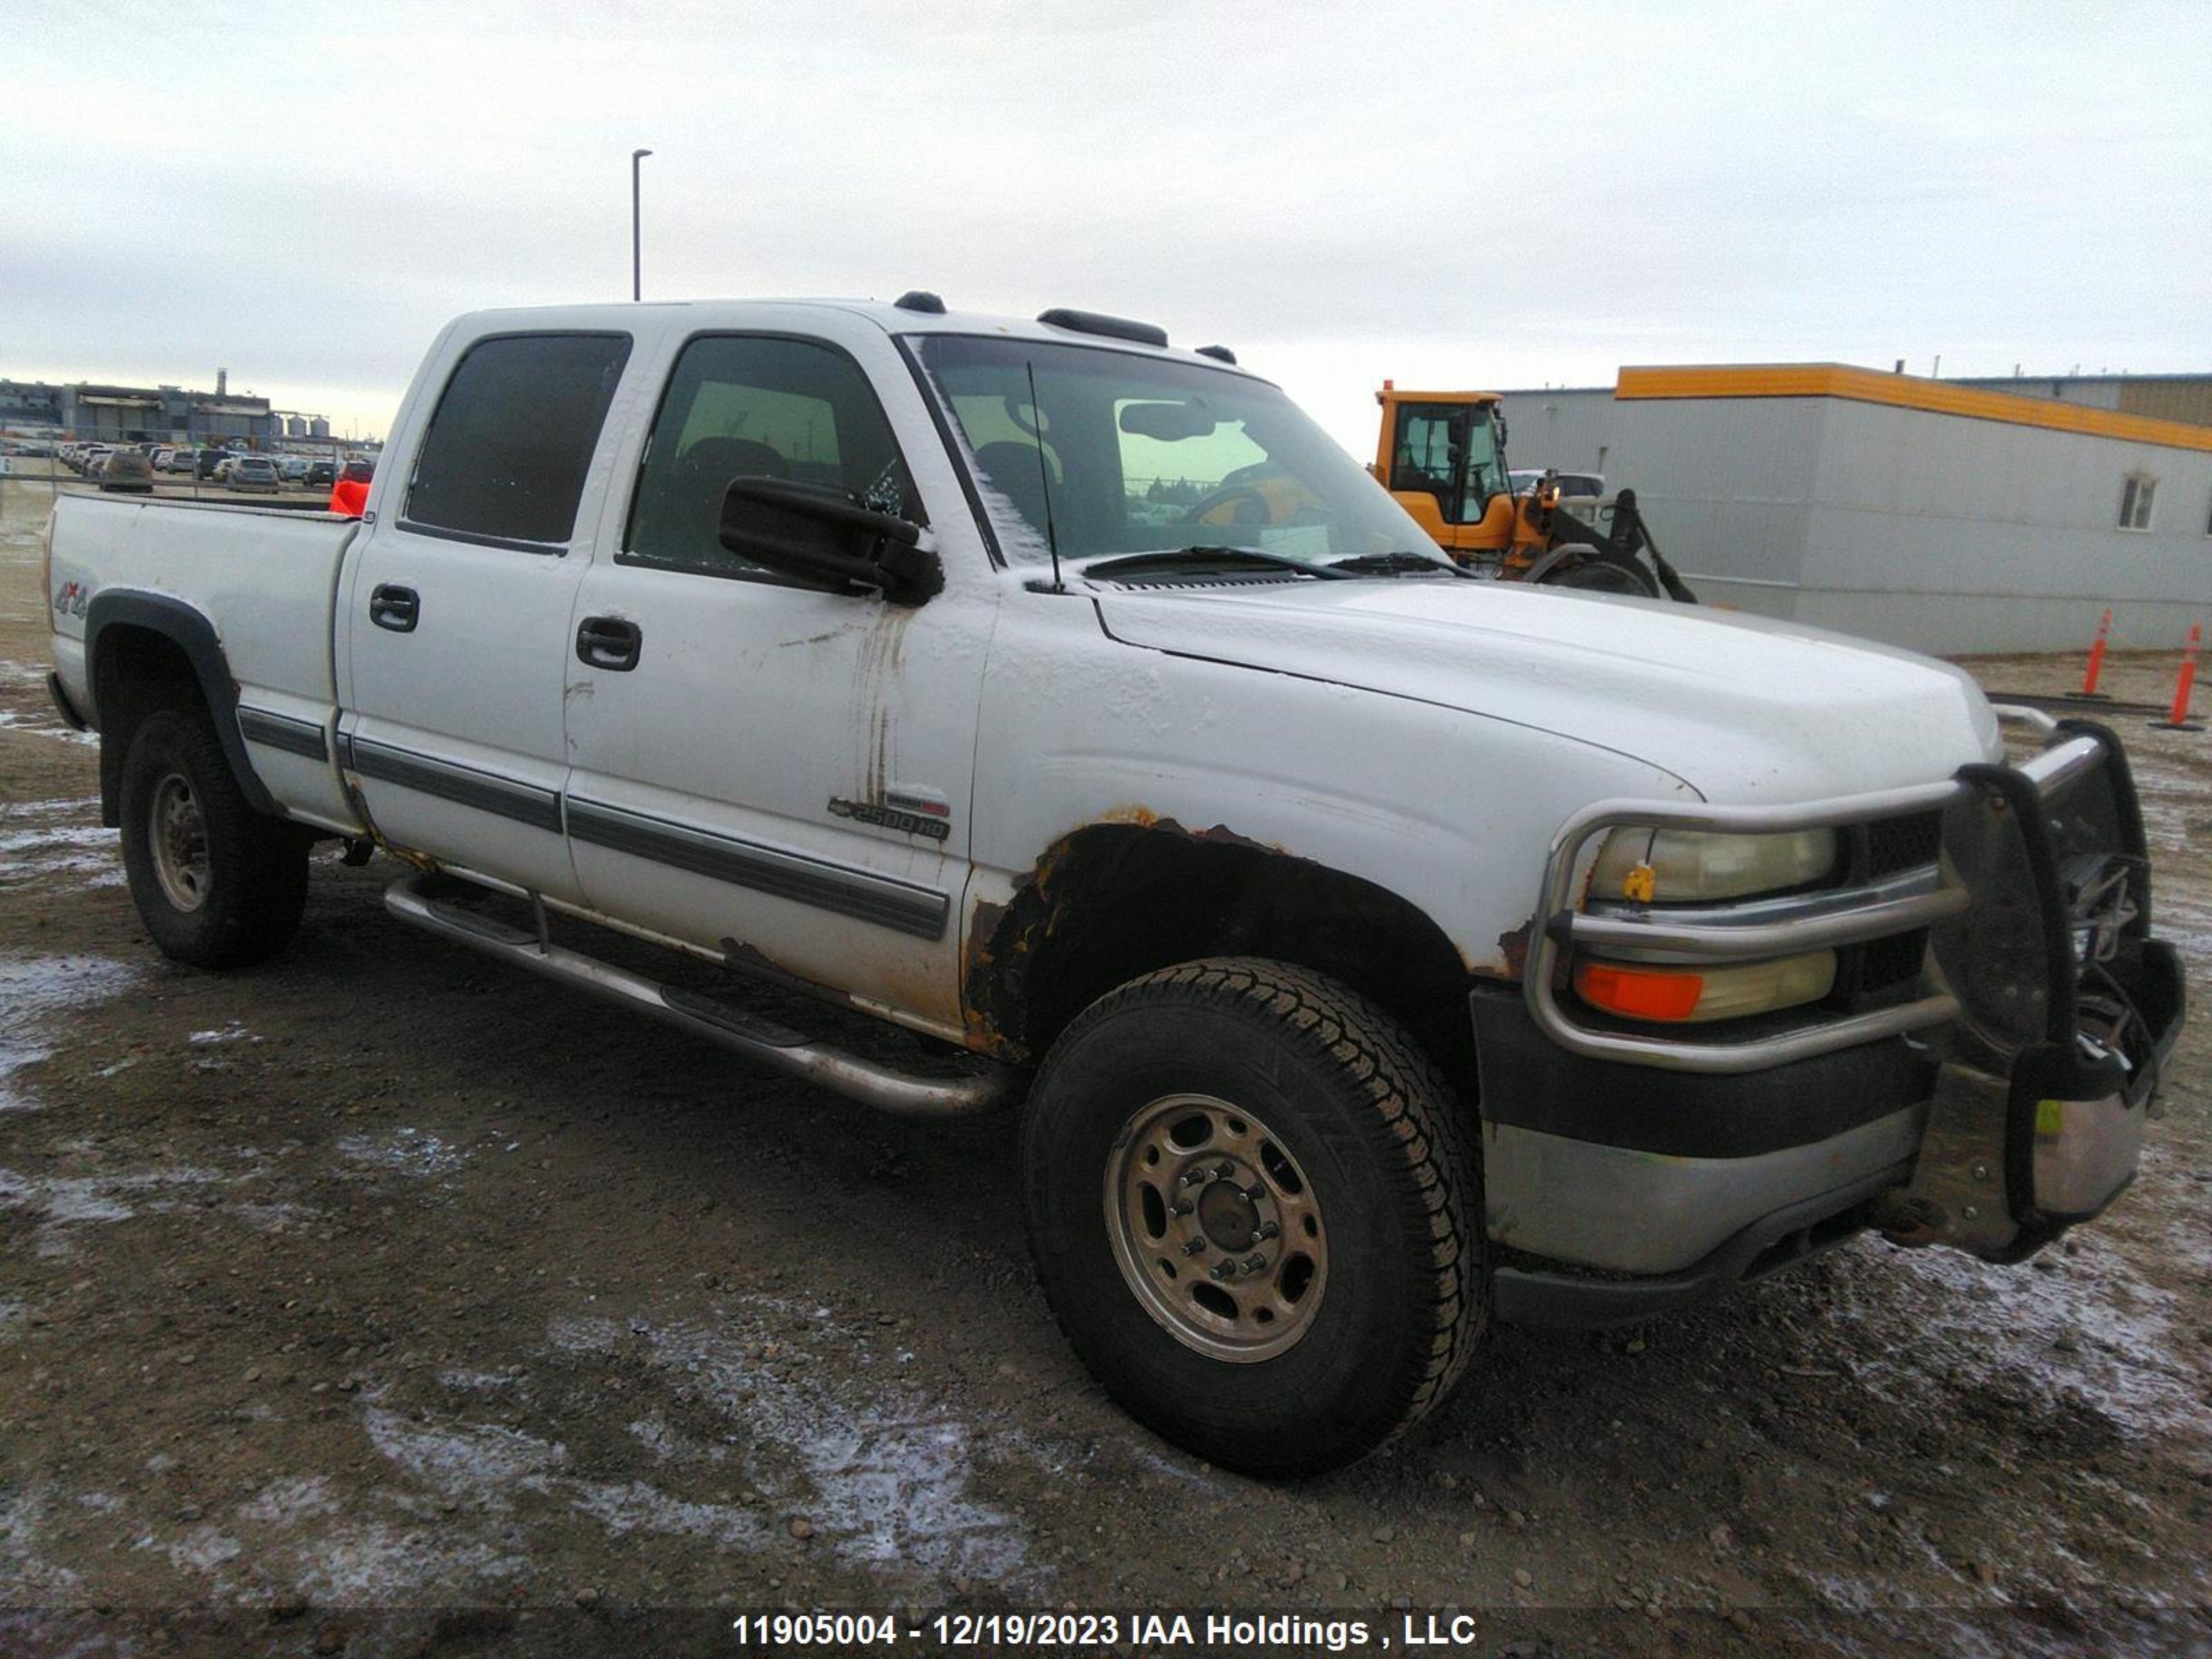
point(524, 803)
point(293, 737)
point(860, 894)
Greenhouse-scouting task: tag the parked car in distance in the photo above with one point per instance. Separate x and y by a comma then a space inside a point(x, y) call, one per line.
point(208, 461)
point(253, 473)
point(1573, 486)
point(358, 471)
point(127, 469)
point(293, 468)
point(161, 458)
point(89, 457)
point(321, 475)
point(183, 461)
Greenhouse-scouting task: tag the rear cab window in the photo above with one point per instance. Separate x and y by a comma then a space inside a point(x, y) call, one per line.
point(504, 458)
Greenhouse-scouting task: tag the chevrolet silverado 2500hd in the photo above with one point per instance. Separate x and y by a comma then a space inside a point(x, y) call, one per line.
point(1372, 950)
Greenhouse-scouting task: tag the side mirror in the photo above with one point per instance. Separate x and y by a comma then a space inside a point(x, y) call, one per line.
point(828, 540)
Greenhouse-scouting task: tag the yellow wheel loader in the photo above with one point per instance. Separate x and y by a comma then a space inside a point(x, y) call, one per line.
point(1441, 454)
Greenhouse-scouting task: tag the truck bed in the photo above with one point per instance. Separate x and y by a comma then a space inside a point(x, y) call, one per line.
point(265, 578)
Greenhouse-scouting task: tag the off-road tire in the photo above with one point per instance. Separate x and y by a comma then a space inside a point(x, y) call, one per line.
point(1604, 576)
point(256, 867)
point(1377, 1131)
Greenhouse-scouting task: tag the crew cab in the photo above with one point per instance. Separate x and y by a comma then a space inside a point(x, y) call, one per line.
point(1370, 949)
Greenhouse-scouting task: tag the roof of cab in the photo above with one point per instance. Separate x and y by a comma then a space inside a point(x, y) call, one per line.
point(891, 319)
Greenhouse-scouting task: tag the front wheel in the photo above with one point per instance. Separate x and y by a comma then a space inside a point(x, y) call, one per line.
point(218, 883)
point(1256, 1214)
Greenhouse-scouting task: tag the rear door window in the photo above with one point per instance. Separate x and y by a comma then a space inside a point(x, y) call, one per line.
point(507, 447)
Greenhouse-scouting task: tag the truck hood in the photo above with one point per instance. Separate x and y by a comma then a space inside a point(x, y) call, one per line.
point(1744, 709)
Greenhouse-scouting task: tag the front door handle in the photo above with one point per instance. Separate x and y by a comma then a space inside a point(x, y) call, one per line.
point(396, 608)
point(610, 643)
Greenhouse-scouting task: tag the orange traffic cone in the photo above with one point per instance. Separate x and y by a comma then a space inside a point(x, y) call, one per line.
point(2178, 720)
point(2097, 656)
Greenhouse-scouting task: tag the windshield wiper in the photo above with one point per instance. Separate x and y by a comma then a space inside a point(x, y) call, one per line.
point(1393, 564)
point(1213, 554)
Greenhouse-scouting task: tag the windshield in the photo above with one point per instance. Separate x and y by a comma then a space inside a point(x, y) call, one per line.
point(1137, 454)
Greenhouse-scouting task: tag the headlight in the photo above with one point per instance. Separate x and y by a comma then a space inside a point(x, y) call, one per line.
point(1689, 866)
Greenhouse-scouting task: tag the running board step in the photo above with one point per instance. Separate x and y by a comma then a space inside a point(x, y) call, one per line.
point(763, 1040)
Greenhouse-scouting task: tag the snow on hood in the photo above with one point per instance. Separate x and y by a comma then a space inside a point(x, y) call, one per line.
point(1744, 709)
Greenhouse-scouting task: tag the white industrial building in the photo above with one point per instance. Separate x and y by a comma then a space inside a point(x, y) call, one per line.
point(1944, 517)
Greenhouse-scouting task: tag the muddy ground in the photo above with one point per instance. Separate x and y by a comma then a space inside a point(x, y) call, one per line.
point(381, 1300)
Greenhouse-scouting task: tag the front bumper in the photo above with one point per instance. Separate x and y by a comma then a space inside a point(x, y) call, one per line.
point(1989, 1103)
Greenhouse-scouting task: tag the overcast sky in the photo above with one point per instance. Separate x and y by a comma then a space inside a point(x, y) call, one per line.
point(1470, 194)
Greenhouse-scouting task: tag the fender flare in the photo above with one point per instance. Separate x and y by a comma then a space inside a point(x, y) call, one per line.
point(189, 630)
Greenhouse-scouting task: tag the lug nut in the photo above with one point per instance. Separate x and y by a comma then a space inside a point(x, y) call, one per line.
point(1225, 1268)
point(1255, 1263)
point(1181, 1206)
point(1195, 1177)
point(1194, 1246)
point(1255, 1193)
point(1265, 1229)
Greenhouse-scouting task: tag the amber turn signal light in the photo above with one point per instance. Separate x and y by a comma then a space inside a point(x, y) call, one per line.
point(1639, 992)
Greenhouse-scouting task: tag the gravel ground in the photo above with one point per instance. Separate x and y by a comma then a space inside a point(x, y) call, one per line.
point(380, 1300)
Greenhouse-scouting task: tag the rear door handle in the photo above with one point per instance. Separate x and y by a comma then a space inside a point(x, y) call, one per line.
point(396, 608)
point(610, 643)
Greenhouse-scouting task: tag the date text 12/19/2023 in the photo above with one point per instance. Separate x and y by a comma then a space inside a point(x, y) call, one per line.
point(1064, 1629)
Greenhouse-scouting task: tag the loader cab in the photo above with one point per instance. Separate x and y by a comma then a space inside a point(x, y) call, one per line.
point(1443, 456)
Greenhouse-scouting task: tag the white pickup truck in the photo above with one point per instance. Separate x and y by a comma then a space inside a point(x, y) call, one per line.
point(1372, 950)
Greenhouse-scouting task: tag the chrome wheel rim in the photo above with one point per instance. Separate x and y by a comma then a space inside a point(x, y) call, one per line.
point(1215, 1228)
point(177, 833)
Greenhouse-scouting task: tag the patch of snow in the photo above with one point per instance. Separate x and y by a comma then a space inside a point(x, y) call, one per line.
point(480, 1461)
point(45, 724)
point(2092, 1333)
point(408, 1152)
point(232, 1032)
point(669, 1446)
point(36, 989)
point(583, 1335)
point(203, 1550)
point(62, 1202)
point(273, 1216)
point(479, 1381)
point(74, 806)
point(890, 1474)
point(29, 1579)
point(631, 1506)
point(290, 1501)
point(377, 1565)
point(36, 854)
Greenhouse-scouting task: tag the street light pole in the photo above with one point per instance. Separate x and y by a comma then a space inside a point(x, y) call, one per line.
point(636, 231)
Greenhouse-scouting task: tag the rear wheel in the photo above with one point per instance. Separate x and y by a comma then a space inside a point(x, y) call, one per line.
point(1255, 1213)
point(218, 883)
